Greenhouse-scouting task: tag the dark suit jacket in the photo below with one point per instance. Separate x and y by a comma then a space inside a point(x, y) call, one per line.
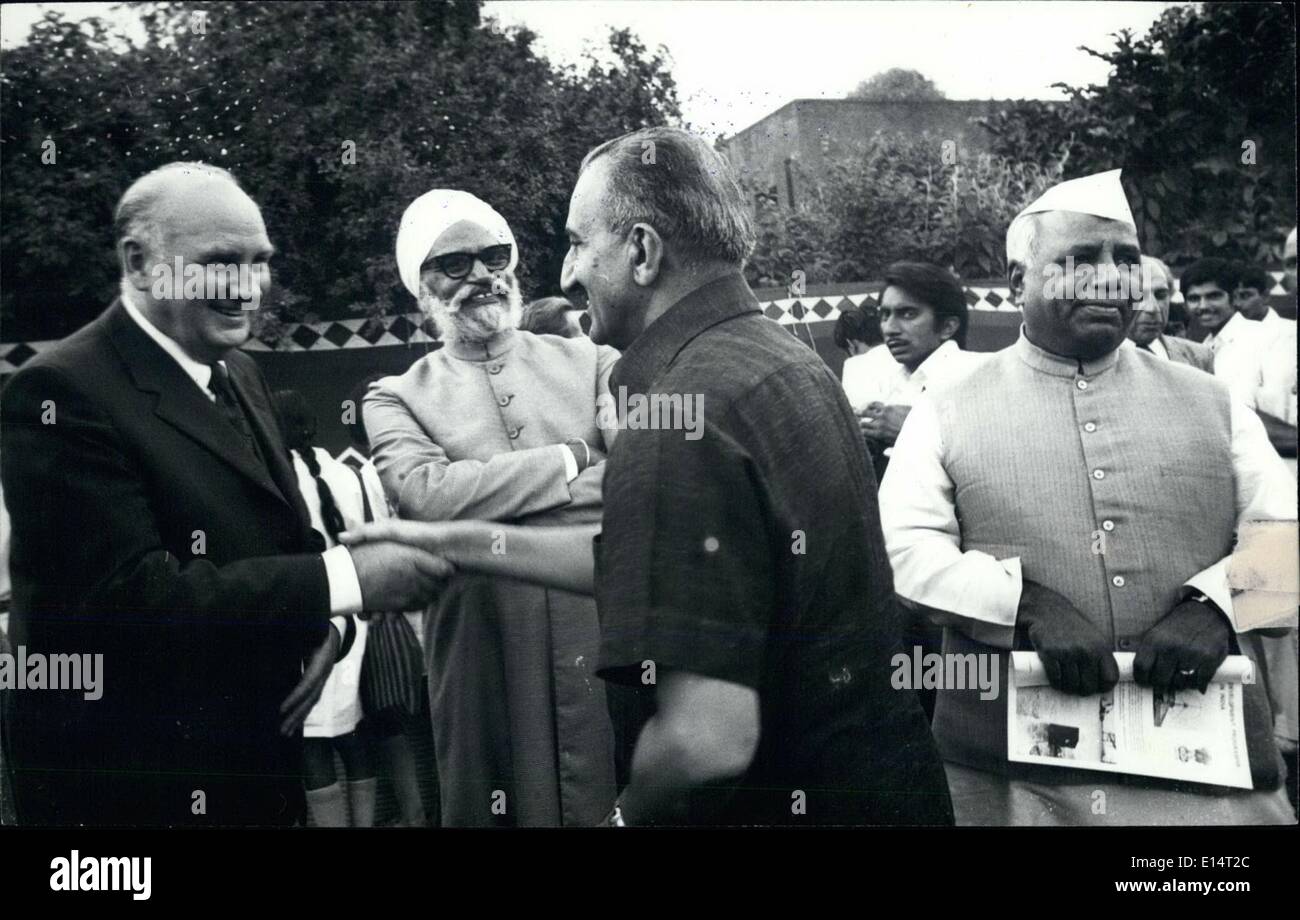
point(1189, 352)
point(145, 530)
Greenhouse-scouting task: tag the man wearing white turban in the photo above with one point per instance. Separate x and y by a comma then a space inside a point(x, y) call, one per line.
point(499, 425)
point(1078, 497)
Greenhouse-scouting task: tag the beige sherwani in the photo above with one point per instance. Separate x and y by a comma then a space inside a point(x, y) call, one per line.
point(521, 729)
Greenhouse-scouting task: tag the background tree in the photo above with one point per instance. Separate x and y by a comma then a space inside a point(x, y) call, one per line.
point(897, 85)
point(1200, 113)
point(900, 198)
point(334, 116)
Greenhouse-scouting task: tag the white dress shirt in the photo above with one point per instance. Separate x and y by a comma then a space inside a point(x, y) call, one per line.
point(1277, 389)
point(1276, 323)
point(1238, 351)
point(344, 586)
point(882, 379)
point(862, 374)
point(917, 508)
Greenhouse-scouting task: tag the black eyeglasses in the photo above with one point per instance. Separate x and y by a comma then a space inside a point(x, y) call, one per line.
point(457, 265)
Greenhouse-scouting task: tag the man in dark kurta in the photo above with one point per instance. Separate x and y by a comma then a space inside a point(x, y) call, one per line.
point(499, 425)
point(755, 570)
point(741, 571)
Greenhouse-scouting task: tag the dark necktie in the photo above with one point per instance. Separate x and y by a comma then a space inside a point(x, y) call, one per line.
point(1146, 347)
point(229, 405)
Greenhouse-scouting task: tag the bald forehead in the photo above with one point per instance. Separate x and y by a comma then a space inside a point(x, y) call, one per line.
point(193, 206)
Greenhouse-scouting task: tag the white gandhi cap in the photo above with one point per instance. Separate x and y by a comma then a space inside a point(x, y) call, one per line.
point(1099, 194)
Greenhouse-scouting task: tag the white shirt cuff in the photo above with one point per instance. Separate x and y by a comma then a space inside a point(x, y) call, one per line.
point(570, 463)
point(1213, 583)
point(345, 587)
point(1005, 601)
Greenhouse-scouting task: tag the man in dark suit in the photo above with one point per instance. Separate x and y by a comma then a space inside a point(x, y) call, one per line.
point(157, 522)
point(1152, 316)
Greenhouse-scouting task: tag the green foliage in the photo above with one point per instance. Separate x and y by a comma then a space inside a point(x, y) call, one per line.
point(901, 198)
point(1177, 112)
point(788, 241)
point(427, 94)
point(897, 85)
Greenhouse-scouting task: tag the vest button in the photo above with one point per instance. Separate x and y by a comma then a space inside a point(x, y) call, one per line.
point(1098, 474)
point(1082, 384)
point(1107, 525)
point(494, 369)
point(514, 432)
point(1125, 644)
point(504, 400)
point(1090, 427)
point(1118, 581)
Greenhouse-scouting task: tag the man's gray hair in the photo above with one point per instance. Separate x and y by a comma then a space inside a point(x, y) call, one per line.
point(133, 216)
point(675, 182)
point(1147, 262)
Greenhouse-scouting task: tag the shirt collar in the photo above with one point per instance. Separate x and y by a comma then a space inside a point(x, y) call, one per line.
point(1058, 366)
point(932, 362)
point(494, 347)
point(1233, 329)
point(197, 371)
point(706, 306)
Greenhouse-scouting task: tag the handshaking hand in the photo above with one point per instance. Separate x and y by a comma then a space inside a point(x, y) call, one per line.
point(554, 557)
point(394, 573)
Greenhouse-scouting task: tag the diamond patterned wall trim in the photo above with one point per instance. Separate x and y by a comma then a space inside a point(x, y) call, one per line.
point(414, 329)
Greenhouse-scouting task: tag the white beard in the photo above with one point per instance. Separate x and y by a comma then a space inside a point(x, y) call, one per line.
point(475, 325)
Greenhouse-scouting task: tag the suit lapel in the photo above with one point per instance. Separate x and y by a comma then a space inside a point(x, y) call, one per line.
point(266, 430)
point(180, 402)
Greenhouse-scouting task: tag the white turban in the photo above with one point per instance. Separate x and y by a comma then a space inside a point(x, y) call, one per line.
point(430, 216)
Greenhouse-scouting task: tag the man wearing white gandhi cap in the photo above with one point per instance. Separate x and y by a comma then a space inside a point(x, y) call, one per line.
point(1078, 497)
point(499, 425)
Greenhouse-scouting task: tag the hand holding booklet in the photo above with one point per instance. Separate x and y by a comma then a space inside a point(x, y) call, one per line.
point(1183, 735)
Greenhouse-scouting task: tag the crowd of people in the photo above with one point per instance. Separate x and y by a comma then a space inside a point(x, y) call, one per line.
point(624, 617)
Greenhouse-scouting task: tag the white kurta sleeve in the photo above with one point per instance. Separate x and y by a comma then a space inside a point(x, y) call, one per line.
point(1265, 492)
point(923, 537)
